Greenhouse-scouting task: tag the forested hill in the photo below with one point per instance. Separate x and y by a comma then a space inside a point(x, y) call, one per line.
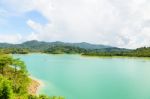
point(56, 47)
point(34, 44)
point(71, 48)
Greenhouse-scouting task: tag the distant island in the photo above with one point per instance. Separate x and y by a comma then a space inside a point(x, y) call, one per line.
point(83, 48)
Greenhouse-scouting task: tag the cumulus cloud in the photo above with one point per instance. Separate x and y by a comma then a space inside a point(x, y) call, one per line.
point(122, 23)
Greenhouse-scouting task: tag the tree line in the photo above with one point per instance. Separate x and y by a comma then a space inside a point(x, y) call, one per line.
point(139, 52)
point(61, 49)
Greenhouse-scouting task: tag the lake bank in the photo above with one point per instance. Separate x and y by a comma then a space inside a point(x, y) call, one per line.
point(87, 55)
point(35, 85)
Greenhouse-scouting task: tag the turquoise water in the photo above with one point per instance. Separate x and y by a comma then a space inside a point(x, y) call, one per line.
point(78, 77)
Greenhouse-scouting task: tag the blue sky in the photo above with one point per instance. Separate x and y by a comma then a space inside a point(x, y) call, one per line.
point(121, 23)
point(12, 24)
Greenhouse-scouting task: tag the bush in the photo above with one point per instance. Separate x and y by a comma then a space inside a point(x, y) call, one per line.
point(6, 91)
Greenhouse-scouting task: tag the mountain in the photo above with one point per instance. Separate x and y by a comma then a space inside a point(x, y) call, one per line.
point(71, 48)
point(40, 46)
point(89, 46)
point(6, 45)
point(44, 45)
point(83, 45)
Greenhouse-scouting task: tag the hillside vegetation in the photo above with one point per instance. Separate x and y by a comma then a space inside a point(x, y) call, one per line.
point(55, 47)
point(71, 48)
point(139, 52)
point(14, 80)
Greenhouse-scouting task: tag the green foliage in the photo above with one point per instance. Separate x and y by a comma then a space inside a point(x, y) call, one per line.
point(6, 91)
point(64, 49)
point(14, 80)
point(15, 71)
point(57, 97)
point(15, 50)
point(140, 52)
point(53, 47)
point(43, 97)
point(4, 62)
point(38, 97)
point(32, 97)
point(19, 65)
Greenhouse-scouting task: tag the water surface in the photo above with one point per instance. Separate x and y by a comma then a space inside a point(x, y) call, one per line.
point(78, 77)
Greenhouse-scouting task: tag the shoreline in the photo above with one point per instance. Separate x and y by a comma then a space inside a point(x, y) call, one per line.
point(35, 86)
point(99, 56)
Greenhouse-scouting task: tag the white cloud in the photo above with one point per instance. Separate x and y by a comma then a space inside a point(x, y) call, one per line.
point(10, 38)
point(43, 32)
point(122, 23)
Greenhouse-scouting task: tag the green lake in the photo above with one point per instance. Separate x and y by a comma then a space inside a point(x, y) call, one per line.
point(79, 77)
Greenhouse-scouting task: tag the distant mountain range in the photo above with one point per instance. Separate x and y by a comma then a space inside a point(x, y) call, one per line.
point(71, 48)
point(41, 45)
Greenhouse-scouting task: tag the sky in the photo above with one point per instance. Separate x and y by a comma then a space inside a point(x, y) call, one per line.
point(119, 23)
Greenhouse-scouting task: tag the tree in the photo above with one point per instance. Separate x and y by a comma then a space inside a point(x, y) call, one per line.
point(5, 60)
point(18, 65)
point(43, 97)
point(6, 91)
point(32, 97)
